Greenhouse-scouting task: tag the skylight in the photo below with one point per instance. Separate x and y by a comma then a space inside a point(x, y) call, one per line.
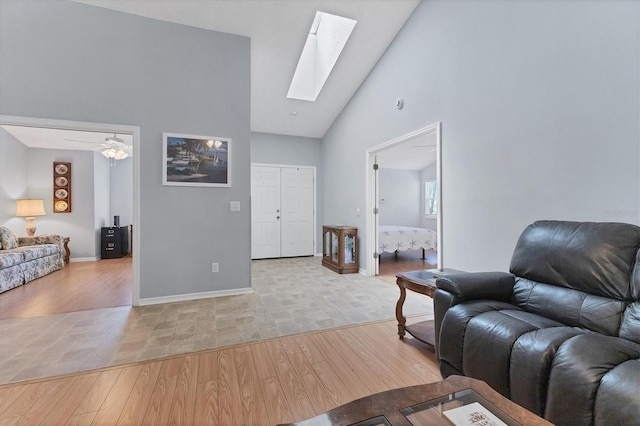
point(327, 37)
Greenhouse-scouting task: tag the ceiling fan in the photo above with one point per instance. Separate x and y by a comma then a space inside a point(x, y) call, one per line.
point(113, 147)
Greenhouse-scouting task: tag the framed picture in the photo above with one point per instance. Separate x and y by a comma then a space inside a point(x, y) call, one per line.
point(190, 160)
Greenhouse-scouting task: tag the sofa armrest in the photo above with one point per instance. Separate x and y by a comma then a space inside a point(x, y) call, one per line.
point(478, 285)
point(40, 239)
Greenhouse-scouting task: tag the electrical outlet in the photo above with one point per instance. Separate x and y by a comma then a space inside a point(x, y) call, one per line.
point(214, 267)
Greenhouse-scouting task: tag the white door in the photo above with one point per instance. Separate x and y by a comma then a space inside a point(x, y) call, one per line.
point(297, 196)
point(265, 212)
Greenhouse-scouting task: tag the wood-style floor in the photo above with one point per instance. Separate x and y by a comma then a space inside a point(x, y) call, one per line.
point(281, 380)
point(78, 286)
point(410, 260)
point(107, 283)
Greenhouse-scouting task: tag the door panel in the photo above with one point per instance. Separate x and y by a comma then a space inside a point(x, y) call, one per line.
point(265, 206)
point(297, 211)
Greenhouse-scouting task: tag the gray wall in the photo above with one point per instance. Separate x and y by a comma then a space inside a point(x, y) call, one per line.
point(539, 109)
point(13, 181)
point(64, 60)
point(101, 198)
point(121, 191)
point(268, 148)
point(400, 190)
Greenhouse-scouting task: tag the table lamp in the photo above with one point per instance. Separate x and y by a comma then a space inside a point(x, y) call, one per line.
point(29, 209)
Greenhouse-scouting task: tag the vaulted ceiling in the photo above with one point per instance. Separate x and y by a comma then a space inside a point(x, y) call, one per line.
point(278, 30)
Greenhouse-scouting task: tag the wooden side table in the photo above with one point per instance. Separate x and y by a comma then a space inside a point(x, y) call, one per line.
point(422, 282)
point(67, 252)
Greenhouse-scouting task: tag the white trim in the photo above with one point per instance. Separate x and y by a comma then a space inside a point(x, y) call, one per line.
point(372, 202)
point(193, 296)
point(106, 128)
point(83, 259)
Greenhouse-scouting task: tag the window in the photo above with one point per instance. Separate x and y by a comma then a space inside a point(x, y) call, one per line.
point(431, 198)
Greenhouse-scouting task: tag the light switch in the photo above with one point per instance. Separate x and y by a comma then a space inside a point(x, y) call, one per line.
point(234, 206)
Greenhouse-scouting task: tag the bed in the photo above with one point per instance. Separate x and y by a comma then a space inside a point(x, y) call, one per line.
point(393, 239)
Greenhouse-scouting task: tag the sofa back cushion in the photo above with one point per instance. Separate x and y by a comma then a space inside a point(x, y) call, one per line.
point(595, 258)
point(8, 239)
point(571, 307)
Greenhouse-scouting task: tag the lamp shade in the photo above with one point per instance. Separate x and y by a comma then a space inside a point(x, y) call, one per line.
point(30, 208)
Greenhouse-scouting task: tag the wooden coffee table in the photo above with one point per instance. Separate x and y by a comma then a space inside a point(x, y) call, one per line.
point(425, 405)
point(422, 282)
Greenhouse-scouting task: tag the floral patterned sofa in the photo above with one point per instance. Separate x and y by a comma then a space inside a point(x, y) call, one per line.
point(23, 259)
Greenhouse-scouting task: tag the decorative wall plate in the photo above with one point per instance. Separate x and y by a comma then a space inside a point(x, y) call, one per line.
point(61, 169)
point(61, 193)
point(61, 181)
point(61, 206)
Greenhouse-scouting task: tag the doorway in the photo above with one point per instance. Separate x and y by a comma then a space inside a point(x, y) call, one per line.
point(283, 209)
point(419, 148)
point(134, 131)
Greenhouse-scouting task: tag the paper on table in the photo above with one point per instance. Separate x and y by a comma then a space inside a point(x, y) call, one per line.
point(473, 414)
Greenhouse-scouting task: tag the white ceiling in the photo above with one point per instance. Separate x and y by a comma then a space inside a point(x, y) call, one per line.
point(414, 154)
point(37, 137)
point(278, 30)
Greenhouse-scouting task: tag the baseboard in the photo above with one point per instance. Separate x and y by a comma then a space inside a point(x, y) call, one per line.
point(84, 259)
point(193, 296)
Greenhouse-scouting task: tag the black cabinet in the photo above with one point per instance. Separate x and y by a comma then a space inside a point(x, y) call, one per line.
point(114, 242)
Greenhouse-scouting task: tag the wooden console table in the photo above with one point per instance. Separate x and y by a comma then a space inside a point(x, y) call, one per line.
point(422, 282)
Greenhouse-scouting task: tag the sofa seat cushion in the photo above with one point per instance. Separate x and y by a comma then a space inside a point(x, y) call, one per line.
point(531, 362)
point(489, 340)
point(9, 258)
point(595, 378)
point(36, 252)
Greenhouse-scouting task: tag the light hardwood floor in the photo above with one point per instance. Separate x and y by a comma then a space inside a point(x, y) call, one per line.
point(274, 381)
point(78, 286)
point(404, 261)
point(107, 283)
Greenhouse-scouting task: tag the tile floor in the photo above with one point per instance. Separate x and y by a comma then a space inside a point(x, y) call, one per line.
point(290, 296)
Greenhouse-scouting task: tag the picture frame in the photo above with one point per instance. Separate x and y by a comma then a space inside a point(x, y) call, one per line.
point(192, 160)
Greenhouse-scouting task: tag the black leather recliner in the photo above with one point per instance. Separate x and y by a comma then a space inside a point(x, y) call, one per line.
point(559, 334)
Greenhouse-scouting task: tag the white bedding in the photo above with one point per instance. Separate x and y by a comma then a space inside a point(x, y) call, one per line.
point(399, 238)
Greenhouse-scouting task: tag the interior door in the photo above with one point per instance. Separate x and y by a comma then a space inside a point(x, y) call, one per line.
point(265, 212)
point(297, 199)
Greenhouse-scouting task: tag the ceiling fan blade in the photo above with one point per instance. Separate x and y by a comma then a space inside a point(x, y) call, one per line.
point(77, 140)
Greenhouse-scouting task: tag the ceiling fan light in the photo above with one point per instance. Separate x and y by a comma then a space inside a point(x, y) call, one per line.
point(109, 153)
point(120, 155)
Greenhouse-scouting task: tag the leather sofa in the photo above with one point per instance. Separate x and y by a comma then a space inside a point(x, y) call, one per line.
point(559, 334)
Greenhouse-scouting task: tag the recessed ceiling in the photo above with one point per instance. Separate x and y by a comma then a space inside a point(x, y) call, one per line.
point(37, 137)
point(415, 154)
point(278, 30)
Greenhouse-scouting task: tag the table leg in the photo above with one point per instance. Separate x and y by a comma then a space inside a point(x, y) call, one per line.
point(67, 252)
point(401, 318)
